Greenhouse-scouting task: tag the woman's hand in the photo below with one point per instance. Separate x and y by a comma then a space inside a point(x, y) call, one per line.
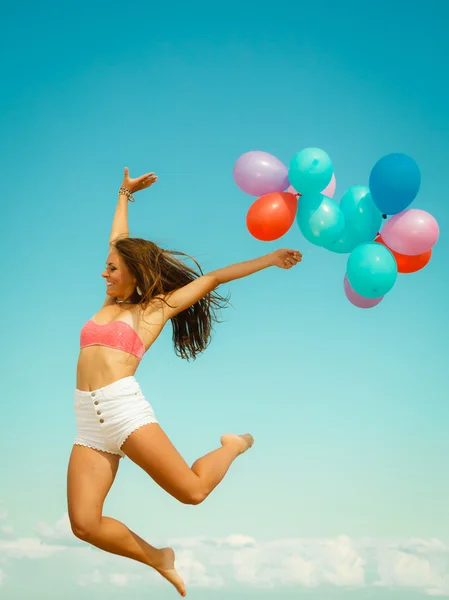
point(285, 258)
point(140, 183)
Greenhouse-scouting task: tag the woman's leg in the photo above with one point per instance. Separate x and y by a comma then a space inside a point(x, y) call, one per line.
point(89, 479)
point(150, 448)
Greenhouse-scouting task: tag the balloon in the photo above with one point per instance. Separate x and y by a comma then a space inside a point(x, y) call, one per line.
point(408, 264)
point(357, 299)
point(320, 219)
point(329, 191)
point(362, 220)
point(344, 244)
point(394, 183)
point(371, 270)
point(411, 232)
point(271, 215)
point(310, 170)
point(257, 173)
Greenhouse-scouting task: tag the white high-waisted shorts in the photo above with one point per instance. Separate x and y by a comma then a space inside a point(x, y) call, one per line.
point(106, 417)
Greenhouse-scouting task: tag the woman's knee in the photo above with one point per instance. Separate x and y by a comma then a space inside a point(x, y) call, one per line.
point(193, 496)
point(84, 529)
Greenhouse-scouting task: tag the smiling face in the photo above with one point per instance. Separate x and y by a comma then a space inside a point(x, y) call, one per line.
point(119, 281)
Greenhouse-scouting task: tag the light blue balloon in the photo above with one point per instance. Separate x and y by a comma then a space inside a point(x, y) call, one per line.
point(344, 244)
point(362, 220)
point(372, 270)
point(320, 219)
point(310, 171)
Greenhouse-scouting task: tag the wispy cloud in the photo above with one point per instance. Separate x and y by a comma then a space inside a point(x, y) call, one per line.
point(61, 530)
point(414, 564)
point(99, 577)
point(28, 548)
point(4, 528)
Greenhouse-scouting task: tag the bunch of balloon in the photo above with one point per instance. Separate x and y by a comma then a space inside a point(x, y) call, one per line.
point(354, 226)
point(404, 245)
point(262, 174)
point(339, 228)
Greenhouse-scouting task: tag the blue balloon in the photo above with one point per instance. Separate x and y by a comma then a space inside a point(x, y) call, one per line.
point(320, 219)
point(394, 183)
point(372, 270)
point(362, 220)
point(310, 171)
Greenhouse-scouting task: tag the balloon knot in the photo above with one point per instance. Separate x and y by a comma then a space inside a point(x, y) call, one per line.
point(384, 216)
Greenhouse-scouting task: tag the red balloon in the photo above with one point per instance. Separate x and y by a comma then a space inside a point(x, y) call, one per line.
point(272, 215)
point(408, 264)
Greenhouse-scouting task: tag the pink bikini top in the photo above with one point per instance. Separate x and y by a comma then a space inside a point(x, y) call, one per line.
point(116, 334)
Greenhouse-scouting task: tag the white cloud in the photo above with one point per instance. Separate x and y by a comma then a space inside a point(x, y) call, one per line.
point(413, 564)
point(61, 530)
point(119, 579)
point(95, 577)
point(237, 541)
point(408, 568)
point(293, 562)
point(28, 548)
point(342, 562)
point(100, 577)
point(195, 572)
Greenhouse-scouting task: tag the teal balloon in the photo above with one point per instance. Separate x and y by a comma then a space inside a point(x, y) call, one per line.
point(372, 270)
point(310, 171)
point(344, 244)
point(320, 219)
point(363, 220)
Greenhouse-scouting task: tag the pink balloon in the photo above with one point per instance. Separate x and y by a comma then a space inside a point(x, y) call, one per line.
point(358, 300)
point(411, 232)
point(329, 191)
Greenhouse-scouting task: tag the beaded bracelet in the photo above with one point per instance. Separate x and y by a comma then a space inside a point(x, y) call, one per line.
point(126, 193)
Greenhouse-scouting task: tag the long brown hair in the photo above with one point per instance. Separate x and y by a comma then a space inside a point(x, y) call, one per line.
point(159, 271)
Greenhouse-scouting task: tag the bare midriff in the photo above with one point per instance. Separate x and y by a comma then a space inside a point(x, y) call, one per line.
point(99, 366)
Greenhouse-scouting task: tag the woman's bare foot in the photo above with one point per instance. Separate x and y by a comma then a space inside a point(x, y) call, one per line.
point(166, 568)
point(242, 442)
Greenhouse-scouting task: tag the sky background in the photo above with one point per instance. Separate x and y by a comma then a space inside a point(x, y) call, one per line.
point(345, 493)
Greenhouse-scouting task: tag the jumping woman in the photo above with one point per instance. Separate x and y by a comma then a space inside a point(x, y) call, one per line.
point(146, 286)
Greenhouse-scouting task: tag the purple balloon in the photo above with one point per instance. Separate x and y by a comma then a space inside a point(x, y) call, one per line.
point(257, 173)
point(357, 299)
point(411, 232)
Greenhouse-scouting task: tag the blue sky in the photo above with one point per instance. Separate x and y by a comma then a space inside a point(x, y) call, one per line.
point(349, 408)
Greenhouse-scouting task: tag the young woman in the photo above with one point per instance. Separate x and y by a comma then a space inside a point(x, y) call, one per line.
point(146, 286)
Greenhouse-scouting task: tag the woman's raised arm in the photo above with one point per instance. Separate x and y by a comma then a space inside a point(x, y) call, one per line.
point(127, 189)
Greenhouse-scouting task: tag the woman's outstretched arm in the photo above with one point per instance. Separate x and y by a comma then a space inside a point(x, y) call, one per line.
point(186, 296)
point(129, 186)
